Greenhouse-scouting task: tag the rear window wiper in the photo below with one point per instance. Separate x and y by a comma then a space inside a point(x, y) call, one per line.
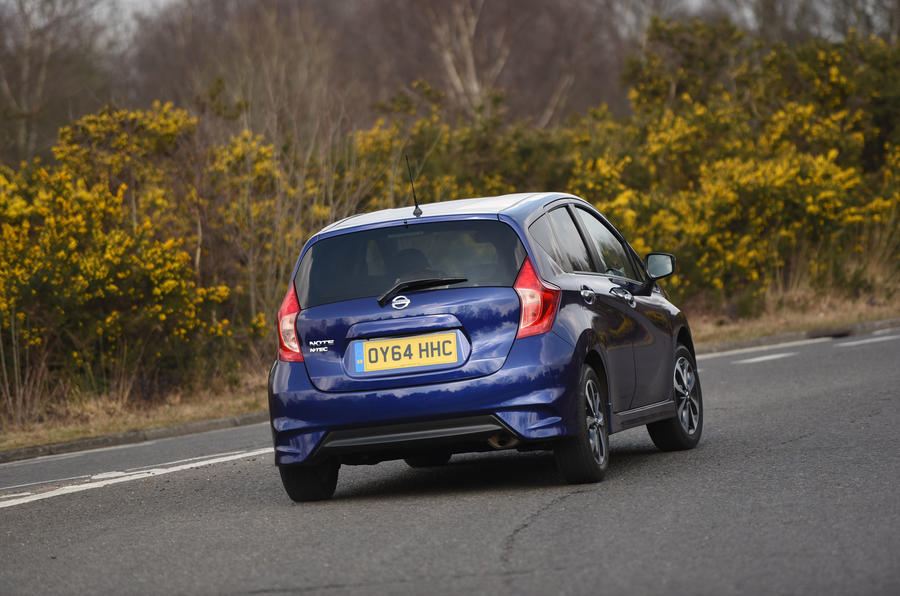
point(418, 284)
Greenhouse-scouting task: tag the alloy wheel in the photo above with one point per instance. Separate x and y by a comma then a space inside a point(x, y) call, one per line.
point(686, 397)
point(595, 421)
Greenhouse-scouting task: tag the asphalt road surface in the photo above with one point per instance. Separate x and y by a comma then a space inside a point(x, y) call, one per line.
point(794, 489)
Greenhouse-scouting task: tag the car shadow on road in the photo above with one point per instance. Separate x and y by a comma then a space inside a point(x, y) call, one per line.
point(485, 472)
point(465, 473)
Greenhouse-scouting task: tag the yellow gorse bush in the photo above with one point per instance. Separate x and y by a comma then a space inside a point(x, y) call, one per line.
point(74, 281)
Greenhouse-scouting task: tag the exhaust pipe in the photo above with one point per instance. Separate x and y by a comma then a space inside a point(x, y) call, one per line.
point(503, 441)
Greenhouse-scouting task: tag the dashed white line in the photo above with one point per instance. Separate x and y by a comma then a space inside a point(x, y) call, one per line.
point(790, 344)
point(110, 478)
point(766, 358)
point(871, 340)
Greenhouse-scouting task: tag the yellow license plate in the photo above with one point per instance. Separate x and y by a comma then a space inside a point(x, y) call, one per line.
point(406, 352)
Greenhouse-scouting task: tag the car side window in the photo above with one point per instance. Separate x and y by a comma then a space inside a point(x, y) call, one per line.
point(542, 234)
point(557, 234)
point(613, 255)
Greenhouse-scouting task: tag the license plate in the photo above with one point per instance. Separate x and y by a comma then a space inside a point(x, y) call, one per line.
point(406, 352)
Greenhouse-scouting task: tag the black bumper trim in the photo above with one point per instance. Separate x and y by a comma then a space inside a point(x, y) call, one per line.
point(400, 435)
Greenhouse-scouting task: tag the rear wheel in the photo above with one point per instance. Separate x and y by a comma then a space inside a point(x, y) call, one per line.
point(683, 431)
point(585, 456)
point(428, 460)
point(310, 482)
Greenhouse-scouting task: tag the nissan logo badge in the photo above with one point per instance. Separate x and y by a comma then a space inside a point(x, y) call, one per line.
point(400, 302)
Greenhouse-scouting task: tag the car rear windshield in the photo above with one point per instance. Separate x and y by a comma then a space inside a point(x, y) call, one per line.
point(369, 263)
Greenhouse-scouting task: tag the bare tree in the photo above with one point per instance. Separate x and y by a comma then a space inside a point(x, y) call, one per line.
point(280, 69)
point(867, 17)
point(50, 70)
point(794, 21)
point(472, 60)
point(546, 59)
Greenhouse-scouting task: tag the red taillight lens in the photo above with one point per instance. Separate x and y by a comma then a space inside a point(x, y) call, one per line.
point(288, 343)
point(539, 302)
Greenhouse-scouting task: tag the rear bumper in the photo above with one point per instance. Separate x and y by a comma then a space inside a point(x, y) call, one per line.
point(526, 398)
point(378, 443)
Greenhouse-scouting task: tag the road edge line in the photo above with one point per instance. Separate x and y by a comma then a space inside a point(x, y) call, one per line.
point(77, 488)
point(133, 437)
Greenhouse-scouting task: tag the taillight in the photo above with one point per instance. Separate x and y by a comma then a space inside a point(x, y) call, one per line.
point(288, 343)
point(539, 302)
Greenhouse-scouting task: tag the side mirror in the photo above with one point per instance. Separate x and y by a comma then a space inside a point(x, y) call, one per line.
point(660, 265)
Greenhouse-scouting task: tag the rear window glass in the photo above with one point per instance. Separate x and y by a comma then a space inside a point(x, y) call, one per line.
point(364, 264)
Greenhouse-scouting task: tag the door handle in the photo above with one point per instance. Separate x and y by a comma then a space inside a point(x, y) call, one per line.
point(587, 294)
point(620, 292)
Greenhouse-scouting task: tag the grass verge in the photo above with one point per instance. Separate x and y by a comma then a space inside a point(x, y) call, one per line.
point(99, 416)
point(799, 315)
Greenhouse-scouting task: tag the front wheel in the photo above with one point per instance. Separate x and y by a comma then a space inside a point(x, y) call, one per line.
point(682, 431)
point(585, 457)
point(310, 482)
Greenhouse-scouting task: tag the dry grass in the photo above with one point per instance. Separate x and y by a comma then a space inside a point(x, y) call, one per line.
point(798, 312)
point(92, 417)
point(99, 416)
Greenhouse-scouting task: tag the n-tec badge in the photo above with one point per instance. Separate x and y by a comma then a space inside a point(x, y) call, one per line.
point(400, 302)
point(320, 345)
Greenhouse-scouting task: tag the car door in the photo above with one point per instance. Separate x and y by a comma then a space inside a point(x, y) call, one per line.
point(584, 291)
point(651, 335)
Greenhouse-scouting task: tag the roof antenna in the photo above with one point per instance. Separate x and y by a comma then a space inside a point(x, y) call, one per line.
point(417, 211)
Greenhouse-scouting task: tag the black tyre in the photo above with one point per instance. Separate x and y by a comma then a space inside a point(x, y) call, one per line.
point(585, 456)
point(429, 460)
point(683, 431)
point(310, 483)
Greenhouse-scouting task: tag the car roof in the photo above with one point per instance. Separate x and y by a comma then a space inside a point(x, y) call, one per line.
point(516, 205)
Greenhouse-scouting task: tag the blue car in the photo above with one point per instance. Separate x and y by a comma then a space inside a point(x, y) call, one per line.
point(523, 321)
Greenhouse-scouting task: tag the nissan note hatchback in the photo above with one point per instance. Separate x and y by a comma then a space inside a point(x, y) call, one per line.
point(516, 322)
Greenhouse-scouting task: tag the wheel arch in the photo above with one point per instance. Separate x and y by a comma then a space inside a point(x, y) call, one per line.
point(589, 350)
point(684, 337)
point(595, 361)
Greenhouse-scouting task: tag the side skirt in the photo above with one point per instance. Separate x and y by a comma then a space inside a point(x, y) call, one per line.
point(643, 415)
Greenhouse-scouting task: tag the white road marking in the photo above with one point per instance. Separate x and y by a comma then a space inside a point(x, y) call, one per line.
point(138, 445)
point(108, 475)
point(871, 340)
point(765, 358)
point(884, 331)
point(107, 480)
point(2, 488)
point(13, 495)
point(61, 456)
point(182, 461)
point(790, 344)
point(113, 474)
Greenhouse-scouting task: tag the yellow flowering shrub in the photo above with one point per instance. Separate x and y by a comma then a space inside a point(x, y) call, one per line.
point(95, 302)
point(250, 220)
point(758, 165)
point(147, 151)
point(750, 217)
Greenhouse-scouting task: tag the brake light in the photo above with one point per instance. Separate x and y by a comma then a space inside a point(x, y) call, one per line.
point(539, 302)
point(288, 343)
